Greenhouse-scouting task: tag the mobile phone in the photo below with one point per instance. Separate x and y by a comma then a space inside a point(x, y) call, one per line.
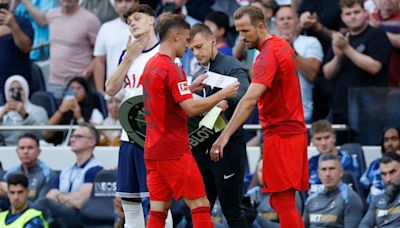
point(4, 6)
point(16, 95)
point(170, 7)
point(69, 95)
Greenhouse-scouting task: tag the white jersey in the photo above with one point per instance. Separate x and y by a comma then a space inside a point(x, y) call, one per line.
point(131, 84)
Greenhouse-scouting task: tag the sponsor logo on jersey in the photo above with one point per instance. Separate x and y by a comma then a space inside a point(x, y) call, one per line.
point(183, 88)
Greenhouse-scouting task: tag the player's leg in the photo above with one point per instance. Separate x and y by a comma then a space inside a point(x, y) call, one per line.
point(128, 187)
point(158, 213)
point(284, 203)
point(229, 173)
point(200, 210)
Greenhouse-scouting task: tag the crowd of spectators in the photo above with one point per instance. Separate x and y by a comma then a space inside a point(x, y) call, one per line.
point(339, 45)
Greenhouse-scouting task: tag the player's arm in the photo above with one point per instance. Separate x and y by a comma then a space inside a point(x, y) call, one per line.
point(99, 72)
point(133, 50)
point(195, 107)
point(242, 111)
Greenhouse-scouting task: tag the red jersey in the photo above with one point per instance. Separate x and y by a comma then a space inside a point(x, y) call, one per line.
point(164, 86)
point(280, 107)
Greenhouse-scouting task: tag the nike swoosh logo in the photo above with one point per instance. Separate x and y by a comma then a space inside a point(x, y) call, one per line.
point(228, 176)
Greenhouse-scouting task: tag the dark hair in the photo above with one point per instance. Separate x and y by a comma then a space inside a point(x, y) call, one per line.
point(141, 8)
point(16, 179)
point(320, 126)
point(329, 157)
point(383, 137)
point(350, 3)
point(200, 28)
point(168, 22)
point(29, 136)
point(255, 14)
point(389, 157)
point(270, 4)
point(93, 131)
point(219, 18)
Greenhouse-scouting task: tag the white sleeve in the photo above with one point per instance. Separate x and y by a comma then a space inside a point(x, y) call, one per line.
point(314, 49)
point(99, 46)
point(96, 118)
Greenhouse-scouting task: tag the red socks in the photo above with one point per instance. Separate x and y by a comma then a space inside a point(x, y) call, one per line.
point(284, 203)
point(157, 219)
point(201, 218)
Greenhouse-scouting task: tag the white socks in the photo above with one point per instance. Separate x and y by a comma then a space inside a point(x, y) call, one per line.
point(134, 217)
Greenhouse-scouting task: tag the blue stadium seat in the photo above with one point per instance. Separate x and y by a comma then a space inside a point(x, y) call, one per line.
point(356, 151)
point(99, 209)
point(100, 103)
point(350, 178)
point(46, 100)
point(37, 79)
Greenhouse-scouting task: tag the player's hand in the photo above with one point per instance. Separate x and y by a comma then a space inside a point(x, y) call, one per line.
point(197, 84)
point(231, 90)
point(217, 149)
point(135, 48)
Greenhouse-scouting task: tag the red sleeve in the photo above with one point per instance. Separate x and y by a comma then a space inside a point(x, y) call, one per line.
point(265, 67)
point(178, 84)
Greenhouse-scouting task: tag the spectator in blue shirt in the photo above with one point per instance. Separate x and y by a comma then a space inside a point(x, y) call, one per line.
point(324, 139)
point(371, 180)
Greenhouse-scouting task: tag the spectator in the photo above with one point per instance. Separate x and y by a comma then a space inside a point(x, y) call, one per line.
point(266, 215)
point(38, 173)
point(18, 110)
point(16, 35)
point(29, 10)
point(110, 42)
point(337, 205)
point(73, 32)
point(111, 138)
point(357, 59)
point(309, 55)
point(387, 17)
point(371, 180)
point(74, 185)
point(77, 106)
point(324, 139)
point(218, 22)
point(384, 210)
point(20, 214)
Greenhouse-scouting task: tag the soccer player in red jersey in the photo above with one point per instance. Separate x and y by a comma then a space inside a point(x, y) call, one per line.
point(171, 168)
point(276, 88)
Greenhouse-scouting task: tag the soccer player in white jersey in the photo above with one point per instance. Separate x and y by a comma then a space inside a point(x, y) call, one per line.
point(131, 183)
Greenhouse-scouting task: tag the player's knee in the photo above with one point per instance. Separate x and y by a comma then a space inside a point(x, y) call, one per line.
point(198, 202)
point(160, 206)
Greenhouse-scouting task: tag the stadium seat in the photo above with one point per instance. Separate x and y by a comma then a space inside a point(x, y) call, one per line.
point(100, 103)
point(46, 100)
point(37, 79)
point(99, 209)
point(393, 108)
point(357, 153)
point(350, 178)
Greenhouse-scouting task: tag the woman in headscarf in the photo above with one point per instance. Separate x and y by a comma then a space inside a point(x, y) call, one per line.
point(18, 110)
point(76, 107)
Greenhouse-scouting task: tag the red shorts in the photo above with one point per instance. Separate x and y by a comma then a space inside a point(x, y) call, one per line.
point(174, 178)
point(285, 163)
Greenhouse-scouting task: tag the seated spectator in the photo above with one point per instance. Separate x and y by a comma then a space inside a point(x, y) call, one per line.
point(266, 215)
point(39, 174)
point(309, 55)
point(371, 180)
point(337, 205)
point(20, 214)
point(111, 138)
point(76, 107)
point(26, 9)
point(18, 110)
point(324, 139)
point(74, 186)
point(384, 209)
point(16, 35)
point(218, 22)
